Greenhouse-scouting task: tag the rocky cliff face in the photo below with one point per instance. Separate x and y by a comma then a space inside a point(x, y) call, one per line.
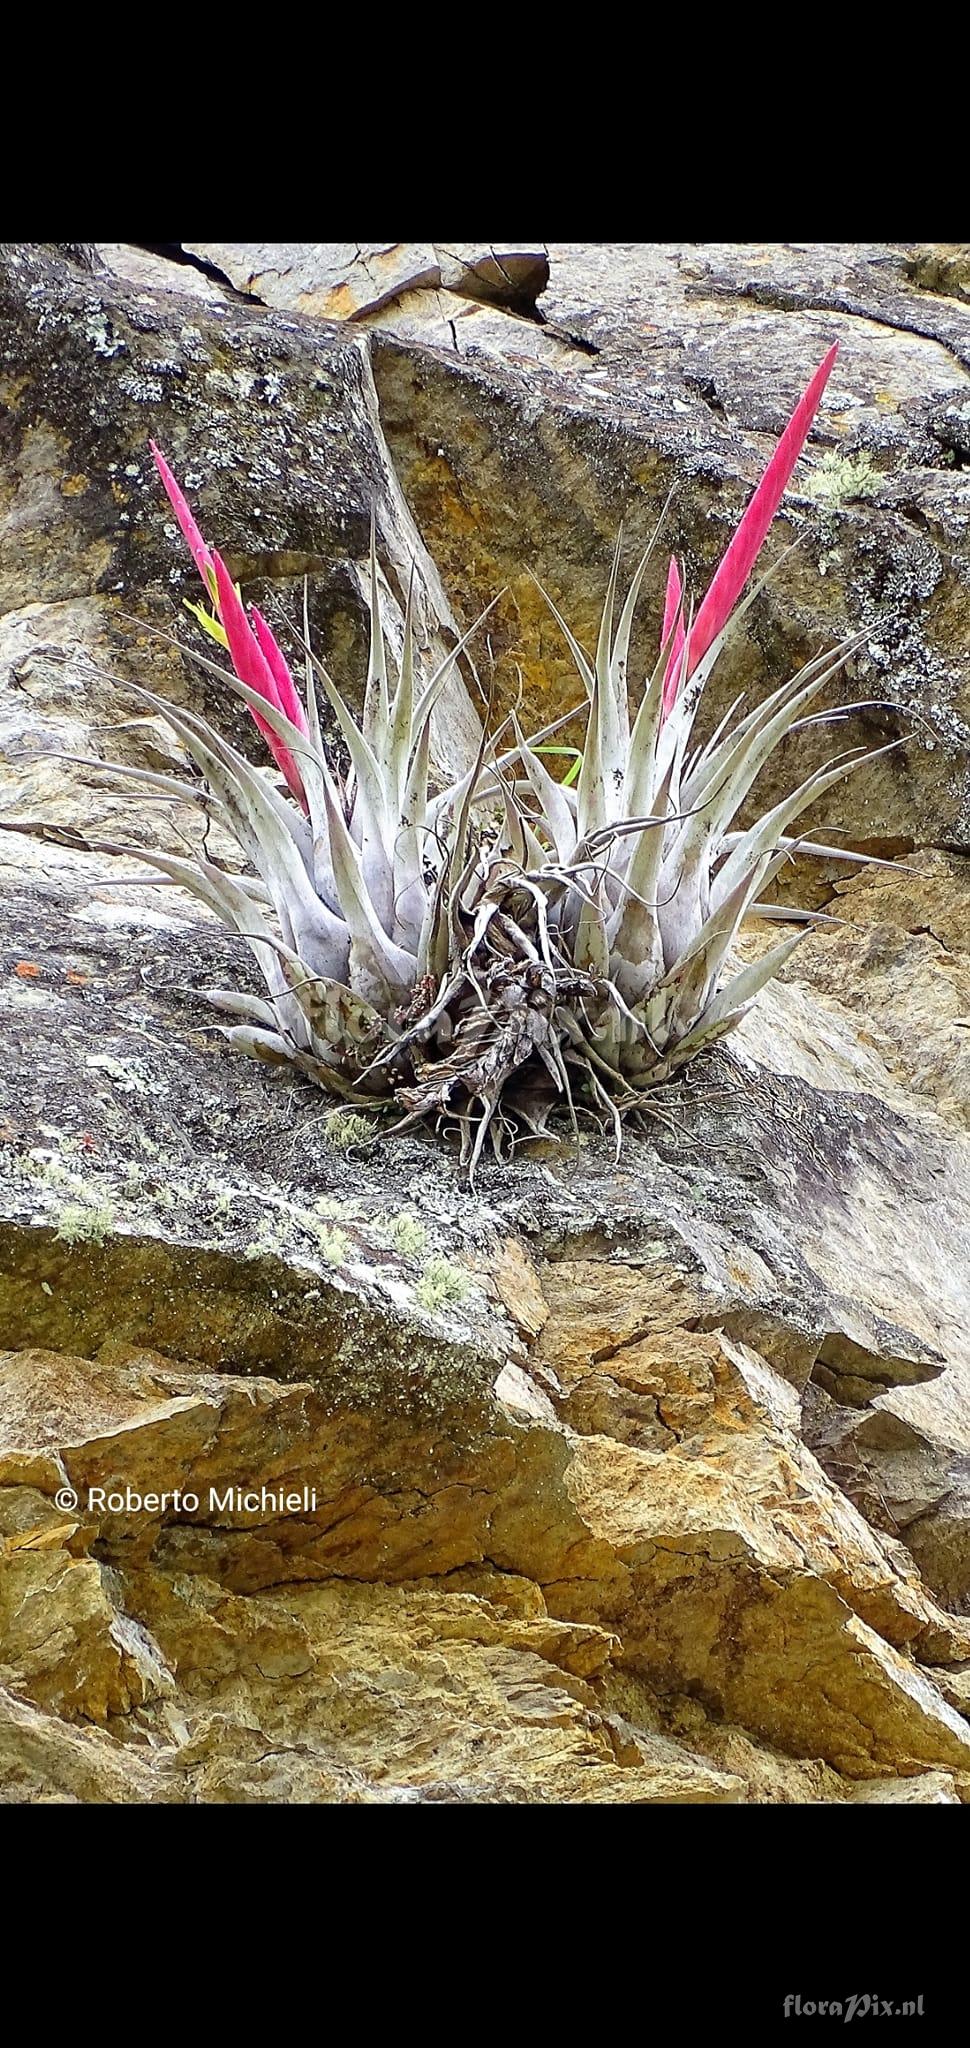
point(643, 1482)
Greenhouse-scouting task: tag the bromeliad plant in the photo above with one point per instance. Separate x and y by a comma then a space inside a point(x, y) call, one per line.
point(481, 953)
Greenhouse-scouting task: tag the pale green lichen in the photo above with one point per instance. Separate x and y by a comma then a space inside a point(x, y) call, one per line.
point(334, 1246)
point(273, 1238)
point(341, 1129)
point(280, 1230)
point(128, 1075)
point(838, 479)
point(80, 1225)
point(40, 1166)
point(406, 1234)
point(441, 1284)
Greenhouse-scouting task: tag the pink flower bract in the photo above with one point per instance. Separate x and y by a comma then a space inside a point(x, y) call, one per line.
point(200, 553)
point(731, 576)
point(277, 663)
point(255, 653)
point(252, 668)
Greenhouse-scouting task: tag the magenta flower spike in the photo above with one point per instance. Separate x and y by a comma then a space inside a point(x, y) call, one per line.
point(258, 661)
point(252, 668)
point(277, 662)
point(671, 603)
point(200, 553)
point(731, 576)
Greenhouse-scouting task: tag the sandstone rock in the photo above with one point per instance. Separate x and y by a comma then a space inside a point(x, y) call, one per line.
point(893, 975)
point(899, 962)
point(709, 1428)
point(935, 1788)
point(655, 1482)
point(228, 1614)
point(329, 280)
point(942, 267)
point(348, 280)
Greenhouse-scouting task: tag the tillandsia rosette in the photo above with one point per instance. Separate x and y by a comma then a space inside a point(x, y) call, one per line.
point(481, 954)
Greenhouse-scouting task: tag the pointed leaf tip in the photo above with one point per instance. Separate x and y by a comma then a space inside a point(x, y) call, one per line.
point(736, 566)
point(674, 593)
point(197, 547)
point(671, 597)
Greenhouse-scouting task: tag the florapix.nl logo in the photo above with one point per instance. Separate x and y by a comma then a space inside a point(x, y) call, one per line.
point(858, 2005)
